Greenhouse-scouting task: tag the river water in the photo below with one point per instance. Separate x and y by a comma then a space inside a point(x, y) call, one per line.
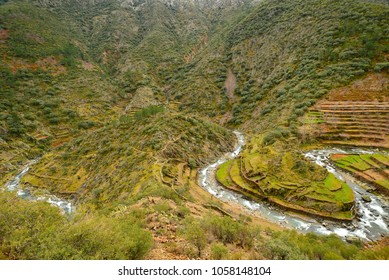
point(371, 223)
point(14, 185)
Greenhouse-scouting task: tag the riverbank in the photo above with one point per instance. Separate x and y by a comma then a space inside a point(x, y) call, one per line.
point(371, 222)
point(14, 185)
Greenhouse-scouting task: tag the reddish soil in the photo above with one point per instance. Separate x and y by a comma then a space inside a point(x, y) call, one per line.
point(230, 85)
point(48, 64)
point(375, 175)
point(87, 65)
point(35, 38)
point(357, 114)
point(372, 88)
point(338, 156)
point(4, 33)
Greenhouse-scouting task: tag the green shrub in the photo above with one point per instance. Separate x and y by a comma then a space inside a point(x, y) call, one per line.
point(86, 124)
point(219, 251)
point(148, 111)
point(195, 234)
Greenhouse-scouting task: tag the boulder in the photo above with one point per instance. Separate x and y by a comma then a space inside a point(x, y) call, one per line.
point(352, 239)
point(366, 198)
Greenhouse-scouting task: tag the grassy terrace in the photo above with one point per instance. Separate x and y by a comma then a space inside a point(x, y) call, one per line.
point(354, 115)
point(223, 173)
point(289, 181)
point(373, 169)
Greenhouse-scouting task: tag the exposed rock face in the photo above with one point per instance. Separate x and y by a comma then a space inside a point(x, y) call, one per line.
point(139, 4)
point(143, 97)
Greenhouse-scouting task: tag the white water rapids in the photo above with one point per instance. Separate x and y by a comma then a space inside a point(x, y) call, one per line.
point(14, 185)
point(371, 223)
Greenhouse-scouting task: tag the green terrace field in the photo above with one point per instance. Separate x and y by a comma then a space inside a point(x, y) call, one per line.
point(287, 180)
point(122, 102)
point(373, 168)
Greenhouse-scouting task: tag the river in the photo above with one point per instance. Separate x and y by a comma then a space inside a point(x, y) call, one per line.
point(14, 186)
point(371, 223)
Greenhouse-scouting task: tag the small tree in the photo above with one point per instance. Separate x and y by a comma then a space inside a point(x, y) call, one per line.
point(195, 234)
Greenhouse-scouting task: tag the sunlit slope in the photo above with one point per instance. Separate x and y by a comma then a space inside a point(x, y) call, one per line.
point(282, 57)
point(50, 89)
point(129, 157)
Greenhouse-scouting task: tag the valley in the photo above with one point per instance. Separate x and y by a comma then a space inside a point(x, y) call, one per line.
point(239, 129)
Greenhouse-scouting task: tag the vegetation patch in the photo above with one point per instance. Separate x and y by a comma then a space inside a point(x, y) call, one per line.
point(291, 181)
point(353, 115)
point(371, 168)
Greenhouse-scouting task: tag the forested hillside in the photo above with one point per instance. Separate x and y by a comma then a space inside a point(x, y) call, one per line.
point(122, 103)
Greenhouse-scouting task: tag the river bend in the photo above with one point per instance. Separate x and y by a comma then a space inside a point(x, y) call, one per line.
point(371, 223)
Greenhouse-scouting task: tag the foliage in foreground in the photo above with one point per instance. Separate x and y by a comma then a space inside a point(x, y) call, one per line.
point(232, 239)
point(36, 230)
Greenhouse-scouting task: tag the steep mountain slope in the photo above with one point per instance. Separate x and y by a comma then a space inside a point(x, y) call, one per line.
point(127, 158)
point(50, 90)
point(144, 42)
point(59, 70)
point(284, 56)
point(124, 100)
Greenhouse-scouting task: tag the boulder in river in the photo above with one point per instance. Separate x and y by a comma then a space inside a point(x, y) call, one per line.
point(366, 198)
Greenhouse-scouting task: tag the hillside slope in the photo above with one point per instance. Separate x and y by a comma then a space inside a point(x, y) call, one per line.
point(284, 55)
point(121, 102)
point(50, 89)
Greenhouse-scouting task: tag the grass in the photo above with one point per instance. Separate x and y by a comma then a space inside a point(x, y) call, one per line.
point(332, 184)
point(222, 174)
point(355, 162)
point(383, 183)
point(313, 117)
point(291, 182)
point(369, 160)
point(370, 168)
point(236, 177)
point(382, 159)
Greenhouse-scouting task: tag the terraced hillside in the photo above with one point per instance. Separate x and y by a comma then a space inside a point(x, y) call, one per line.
point(50, 90)
point(289, 181)
point(121, 102)
point(358, 123)
point(354, 115)
point(371, 168)
point(278, 72)
point(130, 157)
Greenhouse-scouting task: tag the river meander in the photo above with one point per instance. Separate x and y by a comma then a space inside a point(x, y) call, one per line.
point(371, 223)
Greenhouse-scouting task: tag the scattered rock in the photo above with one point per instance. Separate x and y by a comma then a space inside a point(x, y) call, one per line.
point(348, 226)
point(366, 198)
point(371, 189)
point(352, 239)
